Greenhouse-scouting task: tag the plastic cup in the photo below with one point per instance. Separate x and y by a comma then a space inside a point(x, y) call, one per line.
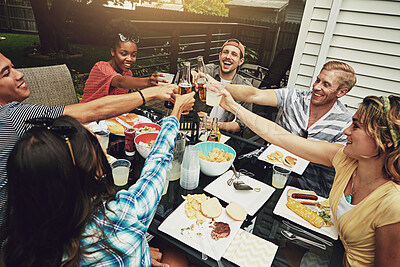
point(120, 171)
point(168, 77)
point(190, 169)
point(211, 94)
point(104, 137)
point(130, 148)
point(167, 177)
point(279, 176)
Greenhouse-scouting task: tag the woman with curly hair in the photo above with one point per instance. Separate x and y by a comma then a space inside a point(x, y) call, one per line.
point(62, 208)
point(365, 196)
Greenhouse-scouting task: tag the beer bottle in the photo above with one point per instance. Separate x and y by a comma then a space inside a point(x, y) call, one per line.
point(185, 85)
point(201, 81)
point(215, 134)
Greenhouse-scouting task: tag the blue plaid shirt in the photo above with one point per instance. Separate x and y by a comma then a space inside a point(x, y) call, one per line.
point(133, 210)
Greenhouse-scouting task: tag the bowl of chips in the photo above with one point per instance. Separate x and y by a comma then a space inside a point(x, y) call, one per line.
point(144, 143)
point(215, 158)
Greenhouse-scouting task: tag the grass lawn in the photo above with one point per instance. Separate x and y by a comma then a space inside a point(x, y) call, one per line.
point(14, 45)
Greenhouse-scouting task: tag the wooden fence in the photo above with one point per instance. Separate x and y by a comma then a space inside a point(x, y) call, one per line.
point(264, 38)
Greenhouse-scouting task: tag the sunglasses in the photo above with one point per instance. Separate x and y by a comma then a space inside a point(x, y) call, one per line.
point(124, 38)
point(63, 131)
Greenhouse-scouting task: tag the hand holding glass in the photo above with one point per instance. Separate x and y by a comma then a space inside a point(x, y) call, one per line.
point(211, 96)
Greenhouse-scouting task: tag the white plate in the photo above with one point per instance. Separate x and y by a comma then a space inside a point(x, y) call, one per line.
point(301, 163)
point(213, 248)
point(141, 119)
point(250, 200)
point(282, 210)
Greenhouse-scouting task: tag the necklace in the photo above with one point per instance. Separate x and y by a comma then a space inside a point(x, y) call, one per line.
point(350, 196)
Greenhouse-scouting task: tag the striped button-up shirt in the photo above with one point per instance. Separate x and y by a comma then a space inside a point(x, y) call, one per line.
point(295, 115)
point(133, 209)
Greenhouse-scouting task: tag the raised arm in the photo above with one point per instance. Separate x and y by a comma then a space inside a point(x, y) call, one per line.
point(113, 105)
point(314, 151)
point(128, 82)
point(254, 95)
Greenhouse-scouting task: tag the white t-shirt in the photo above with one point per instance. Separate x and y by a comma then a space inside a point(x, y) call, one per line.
point(218, 111)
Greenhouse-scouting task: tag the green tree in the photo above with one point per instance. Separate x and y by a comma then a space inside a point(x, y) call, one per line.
point(207, 7)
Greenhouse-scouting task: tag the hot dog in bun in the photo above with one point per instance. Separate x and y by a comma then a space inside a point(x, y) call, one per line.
point(303, 196)
point(289, 161)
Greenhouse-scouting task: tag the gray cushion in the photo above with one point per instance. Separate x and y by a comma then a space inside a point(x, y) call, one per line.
point(50, 85)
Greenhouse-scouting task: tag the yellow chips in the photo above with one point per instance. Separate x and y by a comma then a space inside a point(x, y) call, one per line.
point(216, 155)
point(193, 206)
point(275, 156)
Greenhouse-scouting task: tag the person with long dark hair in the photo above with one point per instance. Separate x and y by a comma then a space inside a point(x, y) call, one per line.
point(62, 208)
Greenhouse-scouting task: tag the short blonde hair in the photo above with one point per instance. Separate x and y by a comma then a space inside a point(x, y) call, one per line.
point(346, 74)
point(376, 124)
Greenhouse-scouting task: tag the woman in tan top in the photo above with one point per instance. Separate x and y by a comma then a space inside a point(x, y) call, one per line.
point(365, 196)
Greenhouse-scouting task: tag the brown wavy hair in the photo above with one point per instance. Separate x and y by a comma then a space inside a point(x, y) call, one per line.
point(346, 74)
point(50, 200)
point(375, 122)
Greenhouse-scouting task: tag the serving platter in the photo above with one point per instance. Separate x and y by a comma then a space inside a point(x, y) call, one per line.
point(200, 238)
point(113, 123)
point(282, 210)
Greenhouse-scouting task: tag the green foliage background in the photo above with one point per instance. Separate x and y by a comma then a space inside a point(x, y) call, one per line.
point(207, 7)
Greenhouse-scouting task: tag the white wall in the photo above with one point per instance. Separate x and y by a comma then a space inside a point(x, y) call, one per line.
point(362, 33)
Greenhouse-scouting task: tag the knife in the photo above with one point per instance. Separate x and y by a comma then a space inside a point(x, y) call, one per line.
point(123, 123)
point(298, 229)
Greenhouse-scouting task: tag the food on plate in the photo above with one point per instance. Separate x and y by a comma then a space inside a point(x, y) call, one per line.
point(236, 211)
point(193, 205)
point(147, 129)
point(303, 196)
point(305, 213)
point(275, 157)
point(216, 155)
point(211, 208)
point(289, 161)
point(221, 230)
point(116, 128)
point(325, 212)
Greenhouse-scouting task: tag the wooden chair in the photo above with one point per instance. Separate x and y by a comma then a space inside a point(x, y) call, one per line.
point(50, 85)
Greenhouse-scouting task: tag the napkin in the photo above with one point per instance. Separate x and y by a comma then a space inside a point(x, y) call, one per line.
point(247, 249)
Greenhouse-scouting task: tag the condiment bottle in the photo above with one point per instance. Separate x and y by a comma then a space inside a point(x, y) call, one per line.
point(215, 134)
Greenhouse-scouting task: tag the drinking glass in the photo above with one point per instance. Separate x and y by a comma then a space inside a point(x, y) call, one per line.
point(104, 137)
point(211, 96)
point(120, 171)
point(279, 176)
point(129, 141)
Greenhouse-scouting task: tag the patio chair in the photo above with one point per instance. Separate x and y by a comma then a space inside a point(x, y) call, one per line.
point(273, 77)
point(50, 85)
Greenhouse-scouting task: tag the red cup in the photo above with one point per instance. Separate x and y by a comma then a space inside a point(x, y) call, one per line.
point(129, 141)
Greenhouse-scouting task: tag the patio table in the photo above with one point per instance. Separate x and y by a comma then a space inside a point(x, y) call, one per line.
point(265, 223)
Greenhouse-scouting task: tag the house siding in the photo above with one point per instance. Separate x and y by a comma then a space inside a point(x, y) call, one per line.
point(364, 34)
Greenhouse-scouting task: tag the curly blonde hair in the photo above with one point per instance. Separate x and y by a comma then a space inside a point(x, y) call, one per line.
point(376, 124)
point(346, 74)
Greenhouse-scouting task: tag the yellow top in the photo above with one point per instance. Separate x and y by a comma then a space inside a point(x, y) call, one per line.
point(357, 227)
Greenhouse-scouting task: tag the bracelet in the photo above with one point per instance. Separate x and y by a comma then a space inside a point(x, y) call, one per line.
point(236, 113)
point(141, 94)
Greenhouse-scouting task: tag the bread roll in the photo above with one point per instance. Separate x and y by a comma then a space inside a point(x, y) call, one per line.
point(211, 208)
point(236, 212)
point(289, 161)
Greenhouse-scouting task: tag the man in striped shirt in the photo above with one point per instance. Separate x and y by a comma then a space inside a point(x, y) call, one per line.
point(315, 114)
point(13, 114)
